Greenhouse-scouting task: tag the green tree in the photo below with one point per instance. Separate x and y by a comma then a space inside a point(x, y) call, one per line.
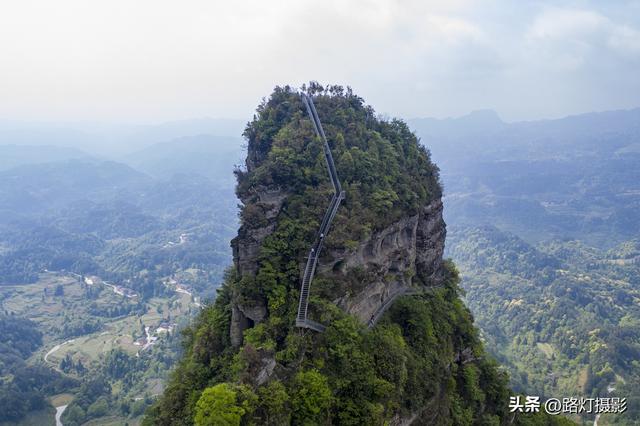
point(310, 397)
point(59, 291)
point(274, 404)
point(74, 415)
point(98, 408)
point(217, 407)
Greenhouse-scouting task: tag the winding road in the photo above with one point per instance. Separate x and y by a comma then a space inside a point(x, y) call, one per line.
point(55, 348)
point(59, 411)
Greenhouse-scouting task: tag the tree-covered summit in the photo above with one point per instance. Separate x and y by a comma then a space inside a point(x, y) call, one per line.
point(385, 172)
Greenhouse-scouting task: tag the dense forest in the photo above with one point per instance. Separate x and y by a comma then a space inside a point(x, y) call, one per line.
point(562, 315)
point(76, 221)
point(24, 387)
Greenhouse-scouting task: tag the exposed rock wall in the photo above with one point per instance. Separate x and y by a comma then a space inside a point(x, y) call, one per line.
point(405, 254)
point(246, 246)
point(246, 249)
point(408, 253)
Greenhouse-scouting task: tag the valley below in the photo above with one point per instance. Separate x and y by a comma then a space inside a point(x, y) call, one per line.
point(78, 335)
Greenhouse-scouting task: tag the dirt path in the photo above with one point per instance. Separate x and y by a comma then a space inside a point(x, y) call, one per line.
point(55, 348)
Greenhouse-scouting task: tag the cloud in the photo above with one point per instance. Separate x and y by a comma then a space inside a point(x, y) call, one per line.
point(626, 41)
point(160, 59)
point(570, 38)
point(566, 24)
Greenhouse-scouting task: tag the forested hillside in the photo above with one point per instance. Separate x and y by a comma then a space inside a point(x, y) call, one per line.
point(544, 219)
point(108, 263)
point(24, 387)
point(575, 177)
point(107, 219)
point(566, 309)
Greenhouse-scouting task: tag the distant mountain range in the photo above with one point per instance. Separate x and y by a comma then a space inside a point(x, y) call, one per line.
point(112, 140)
point(211, 156)
point(483, 136)
point(573, 177)
point(543, 221)
point(20, 155)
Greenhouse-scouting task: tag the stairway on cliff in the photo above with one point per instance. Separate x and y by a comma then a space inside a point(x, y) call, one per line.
point(314, 252)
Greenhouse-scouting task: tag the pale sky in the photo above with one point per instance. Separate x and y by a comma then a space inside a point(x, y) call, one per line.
point(156, 60)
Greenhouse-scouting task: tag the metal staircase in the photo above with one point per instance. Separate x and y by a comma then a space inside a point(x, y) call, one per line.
point(314, 252)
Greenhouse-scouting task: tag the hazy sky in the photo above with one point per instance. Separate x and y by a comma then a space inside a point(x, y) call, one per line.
point(155, 60)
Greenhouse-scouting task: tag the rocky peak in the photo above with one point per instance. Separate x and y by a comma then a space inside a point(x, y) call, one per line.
point(382, 358)
point(396, 248)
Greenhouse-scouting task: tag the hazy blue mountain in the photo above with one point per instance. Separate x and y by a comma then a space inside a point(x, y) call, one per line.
point(543, 222)
point(211, 156)
point(40, 133)
point(576, 177)
point(105, 218)
point(145, 135)
point(40, 188)
point(483, 136)
point(112, 139)
point(20, 155)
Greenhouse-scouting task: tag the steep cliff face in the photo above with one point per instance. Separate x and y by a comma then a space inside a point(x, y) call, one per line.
point(391, 259)
point(422, 363)
point(246, 251)
point(397, 252)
